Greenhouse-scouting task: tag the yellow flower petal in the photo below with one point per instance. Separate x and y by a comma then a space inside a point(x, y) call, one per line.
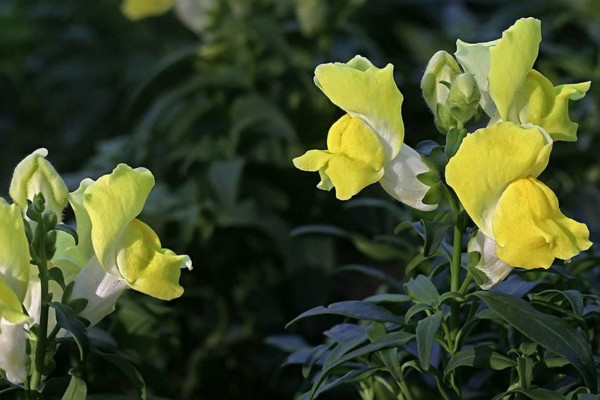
point(354, 158)
point(367, 92)
point(500, 66)
point(125, 246)
point(349, 176)
point(531, 231)
point(488, 161)
point(312, 160)
point(147, 267)
point(14, 252)
point(140, 9)
point(511, 60)
point(10, 305)
point(540, 103)
point(13, 357)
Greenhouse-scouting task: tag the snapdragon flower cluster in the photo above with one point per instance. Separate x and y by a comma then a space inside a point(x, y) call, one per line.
point(110, 252)
point(495, 169)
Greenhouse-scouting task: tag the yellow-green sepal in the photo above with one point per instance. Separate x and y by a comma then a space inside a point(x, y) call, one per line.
point(367, 92)
point(541, 103)
point(34, 174)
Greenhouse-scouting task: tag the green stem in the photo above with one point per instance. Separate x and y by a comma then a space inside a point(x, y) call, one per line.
point(455, 280)
point(42, 334)
point(455, 286)
point(465, 284)
point(405, 390)
point(456, 255)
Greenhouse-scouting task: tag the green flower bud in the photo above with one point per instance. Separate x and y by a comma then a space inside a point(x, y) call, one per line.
point(464, 96)
point(444, 119)
point(36, 175)
point(39, 202)
point(442, 67)
point(50, 244)
point(50, 220)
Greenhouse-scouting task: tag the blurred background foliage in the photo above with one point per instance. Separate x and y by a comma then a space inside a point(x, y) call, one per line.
point(216, 101)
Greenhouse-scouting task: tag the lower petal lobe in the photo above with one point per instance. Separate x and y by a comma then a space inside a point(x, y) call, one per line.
point(530, 229)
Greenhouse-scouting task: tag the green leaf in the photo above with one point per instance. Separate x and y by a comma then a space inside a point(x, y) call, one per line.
point(77, 389)
point(479, 357)
point(452, 296)
point(435, 231)
point(56, 275)
point(429, 178)
point(391, 360)
point(426, 331)
point(433, 195)
point(549, 331)
point(415, 309)
point(388, 298)
point(344, 346)
point(454, 138)
point(422, 290)
point(574, 297)
point(68, 229)
point(539, 394)
point(128, 369)
point(395, 339)
point(348, 377)
point(361, 310)
point(66, 319)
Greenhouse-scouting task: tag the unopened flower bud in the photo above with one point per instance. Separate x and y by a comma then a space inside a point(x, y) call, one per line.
point(50, 220)
point(35, 179)
point(442, 67)
point(464, 97)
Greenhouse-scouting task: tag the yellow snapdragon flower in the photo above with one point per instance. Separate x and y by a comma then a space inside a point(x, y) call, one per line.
point(511, 90)
point(366, 144)
point(494, 175)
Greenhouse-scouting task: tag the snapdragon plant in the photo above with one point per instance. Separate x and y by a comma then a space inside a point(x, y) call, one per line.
point(56, 281)
point(492, 306)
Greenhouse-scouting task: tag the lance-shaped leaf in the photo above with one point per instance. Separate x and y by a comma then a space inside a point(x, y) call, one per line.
point(362, 310)
point(549, 331)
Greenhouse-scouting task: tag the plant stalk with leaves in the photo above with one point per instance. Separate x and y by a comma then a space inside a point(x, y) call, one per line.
point(58, 281)
point(411, 341)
